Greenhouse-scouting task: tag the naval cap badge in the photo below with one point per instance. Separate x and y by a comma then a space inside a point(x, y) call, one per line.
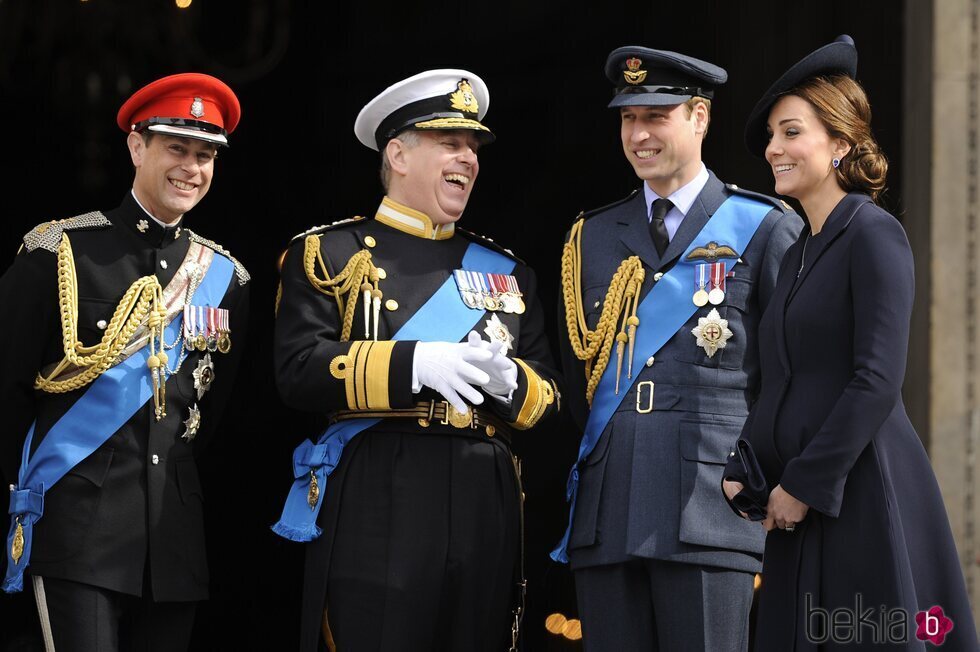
point(712, 332)
point(463, 99)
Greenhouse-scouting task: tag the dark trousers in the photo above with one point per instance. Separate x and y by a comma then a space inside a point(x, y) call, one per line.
point(79, 617)
point(425, 546)
point(651, 605)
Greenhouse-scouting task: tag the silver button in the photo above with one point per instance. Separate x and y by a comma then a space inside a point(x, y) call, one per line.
point(650, 361)
point(101, 324)
point(163, 264)
point(658, 276)
point(155, 459)
point(596, 305)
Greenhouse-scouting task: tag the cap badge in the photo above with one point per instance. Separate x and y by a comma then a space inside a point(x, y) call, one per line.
point(463, 99)
point(633, 74)
point(197, 108)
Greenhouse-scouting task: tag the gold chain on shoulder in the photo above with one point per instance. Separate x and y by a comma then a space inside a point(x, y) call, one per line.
point(595, 347)
point(358, 277)
point(143, 301)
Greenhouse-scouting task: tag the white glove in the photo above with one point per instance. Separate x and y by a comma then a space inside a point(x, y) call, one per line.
point(450, 369)
point(501, 370)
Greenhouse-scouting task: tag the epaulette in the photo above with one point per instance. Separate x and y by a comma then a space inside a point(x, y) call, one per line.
point(778, 203)
point(326, 227)
point(584, 215)
point(489, 244)
point(240, 271)
point(48, 235)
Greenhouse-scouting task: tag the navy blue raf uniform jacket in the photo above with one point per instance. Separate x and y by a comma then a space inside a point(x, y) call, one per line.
point(650, 487)
point(137, 499)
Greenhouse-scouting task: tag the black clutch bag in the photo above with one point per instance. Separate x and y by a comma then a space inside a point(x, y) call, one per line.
point(754, 496)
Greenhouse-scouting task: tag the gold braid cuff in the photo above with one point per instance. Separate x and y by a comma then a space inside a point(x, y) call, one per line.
point(540, 394)
point(359, 277)
point(365, 369)
point(143, 302)
point(619, 308)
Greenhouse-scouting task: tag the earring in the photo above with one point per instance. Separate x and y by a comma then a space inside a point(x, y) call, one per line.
point(836, 162)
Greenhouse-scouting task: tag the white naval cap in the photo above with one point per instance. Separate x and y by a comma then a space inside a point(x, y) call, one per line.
point(434, 99)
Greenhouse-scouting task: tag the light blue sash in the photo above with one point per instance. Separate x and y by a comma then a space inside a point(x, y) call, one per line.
point(443, 318)
point(664, 310)
point(108, 403)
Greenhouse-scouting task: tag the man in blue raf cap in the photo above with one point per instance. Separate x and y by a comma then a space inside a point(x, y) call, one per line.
point(422, 348)
point(118, 360)
point(663, 291)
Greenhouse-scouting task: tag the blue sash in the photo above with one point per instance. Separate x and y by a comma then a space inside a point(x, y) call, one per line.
point(664, 310)
point(443, 318)
point(109, 402)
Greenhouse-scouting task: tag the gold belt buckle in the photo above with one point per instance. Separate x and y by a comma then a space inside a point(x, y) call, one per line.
point(640, 408)
point(455, 418)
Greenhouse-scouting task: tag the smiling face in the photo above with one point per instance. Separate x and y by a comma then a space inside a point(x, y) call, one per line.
point(172, 174)
point(801, 151)
point(663, 143)
point(435, 175)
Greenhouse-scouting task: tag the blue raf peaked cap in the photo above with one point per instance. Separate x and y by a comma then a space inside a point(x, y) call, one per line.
point(645, 77)
point(837, 58)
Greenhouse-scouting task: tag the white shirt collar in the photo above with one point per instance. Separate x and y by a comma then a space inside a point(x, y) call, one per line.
point(683, 197)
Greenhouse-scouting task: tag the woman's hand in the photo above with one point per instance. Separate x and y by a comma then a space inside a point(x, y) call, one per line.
point(783, 511)
point(731, 487)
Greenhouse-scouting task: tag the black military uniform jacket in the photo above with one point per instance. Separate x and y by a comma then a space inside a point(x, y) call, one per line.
point(413, 258)
point(137, 499)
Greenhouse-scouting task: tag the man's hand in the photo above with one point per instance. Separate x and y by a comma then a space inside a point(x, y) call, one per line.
point(783, 511)
point(501, 370)
point(451, 369)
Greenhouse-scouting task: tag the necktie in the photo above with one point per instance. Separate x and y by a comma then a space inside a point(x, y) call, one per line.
point(658, 230)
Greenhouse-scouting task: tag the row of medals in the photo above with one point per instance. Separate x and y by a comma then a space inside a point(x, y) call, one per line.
point(204, 338)
point(507, 302)
point(703, 297)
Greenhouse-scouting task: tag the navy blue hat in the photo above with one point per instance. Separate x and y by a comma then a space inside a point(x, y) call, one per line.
point(645, 77)
point(837, 58)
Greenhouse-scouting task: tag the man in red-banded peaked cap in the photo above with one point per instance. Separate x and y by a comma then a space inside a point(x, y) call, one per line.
point(107, 519)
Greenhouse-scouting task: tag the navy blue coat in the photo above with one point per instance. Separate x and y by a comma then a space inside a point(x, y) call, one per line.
point(650, 487)
point(830, 427)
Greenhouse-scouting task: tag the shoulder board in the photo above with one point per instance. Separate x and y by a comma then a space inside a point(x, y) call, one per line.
point(595, 211)
point(240, 271)
point(489, 244)
point(327, 227)
point(766, 199)
point(48, 235)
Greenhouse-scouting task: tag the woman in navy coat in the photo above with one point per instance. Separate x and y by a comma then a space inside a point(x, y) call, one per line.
point(859, 544)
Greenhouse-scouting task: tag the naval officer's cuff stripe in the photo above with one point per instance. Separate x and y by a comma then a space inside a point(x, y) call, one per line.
point(537, 398)
point(365, 370)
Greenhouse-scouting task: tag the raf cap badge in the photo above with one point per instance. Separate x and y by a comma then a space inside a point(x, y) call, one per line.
point(633, 74)
point(712, 332)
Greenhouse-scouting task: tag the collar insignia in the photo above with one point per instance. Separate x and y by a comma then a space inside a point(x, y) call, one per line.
point(142, 226)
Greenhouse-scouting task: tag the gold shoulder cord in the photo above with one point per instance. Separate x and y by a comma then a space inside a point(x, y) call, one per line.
point(143, 301)
point(621, 300)
point(359, 275)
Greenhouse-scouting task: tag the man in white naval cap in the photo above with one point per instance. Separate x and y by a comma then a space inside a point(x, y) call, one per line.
point(423, 347)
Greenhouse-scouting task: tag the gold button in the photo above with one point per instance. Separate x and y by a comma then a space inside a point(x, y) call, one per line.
point(369, 241)
point(391, 304)
point(650, 361)
point(382, 274)
point(491, 431)
point(658, 276)
point(424, 423)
